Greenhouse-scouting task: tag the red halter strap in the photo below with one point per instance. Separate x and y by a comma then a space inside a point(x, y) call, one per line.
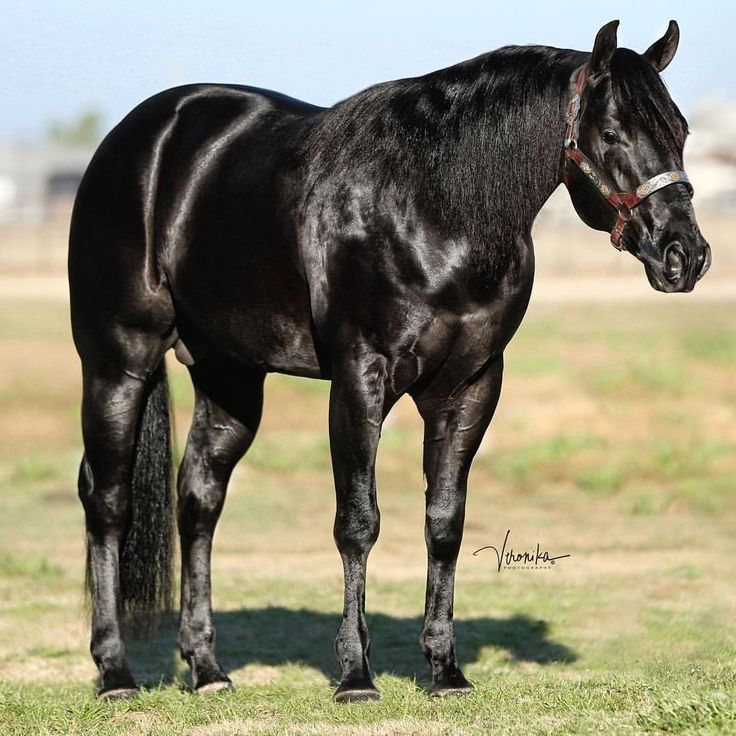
point(622, 202)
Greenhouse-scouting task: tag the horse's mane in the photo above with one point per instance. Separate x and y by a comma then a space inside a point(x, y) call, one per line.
point(638, 89)
point(478, 145)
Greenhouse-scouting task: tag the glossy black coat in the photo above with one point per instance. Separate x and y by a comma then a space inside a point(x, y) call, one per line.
point(384, 244)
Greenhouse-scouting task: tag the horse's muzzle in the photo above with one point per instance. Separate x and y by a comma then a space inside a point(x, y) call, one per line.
point(680, 267)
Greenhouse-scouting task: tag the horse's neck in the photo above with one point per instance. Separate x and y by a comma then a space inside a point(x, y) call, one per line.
point(517, 180)
point(511, 184)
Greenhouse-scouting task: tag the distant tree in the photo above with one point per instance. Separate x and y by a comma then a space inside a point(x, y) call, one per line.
point(84, 130)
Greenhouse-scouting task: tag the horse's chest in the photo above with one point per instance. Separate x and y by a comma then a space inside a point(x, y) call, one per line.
point(493, 312)
point(487, 332)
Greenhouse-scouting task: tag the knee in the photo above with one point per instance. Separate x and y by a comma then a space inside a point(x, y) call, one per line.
point(444, 529)
point(357, 528)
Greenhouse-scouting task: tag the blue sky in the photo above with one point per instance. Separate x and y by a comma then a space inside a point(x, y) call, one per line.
point(58, 58)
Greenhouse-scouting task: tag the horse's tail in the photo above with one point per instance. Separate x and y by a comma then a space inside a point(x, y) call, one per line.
point(147, 555)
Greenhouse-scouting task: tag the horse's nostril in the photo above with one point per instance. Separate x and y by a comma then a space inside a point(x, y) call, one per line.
point(674, 263)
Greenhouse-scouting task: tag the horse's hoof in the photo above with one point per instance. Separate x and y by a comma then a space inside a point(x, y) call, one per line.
point(456, 686)
point(446, 692)
point(215, 687)
point(119, 693)
point(356, 695)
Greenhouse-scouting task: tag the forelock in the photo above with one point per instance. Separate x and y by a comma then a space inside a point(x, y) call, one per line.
point(641, 95)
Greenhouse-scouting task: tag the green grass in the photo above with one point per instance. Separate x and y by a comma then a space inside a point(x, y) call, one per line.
point(614, 442)
point(602, 478)
point(506, 704)
point(32, 470)
point(291, 452)
point(522, 465)
point(712, 346)
point(36, 568)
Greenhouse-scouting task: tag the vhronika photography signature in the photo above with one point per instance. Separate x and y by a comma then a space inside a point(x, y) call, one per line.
point(537, 559)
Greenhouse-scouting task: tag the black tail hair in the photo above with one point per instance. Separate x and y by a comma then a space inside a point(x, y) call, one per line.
point(147, 555)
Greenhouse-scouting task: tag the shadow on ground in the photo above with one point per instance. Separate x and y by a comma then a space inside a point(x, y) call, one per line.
point(276, 636)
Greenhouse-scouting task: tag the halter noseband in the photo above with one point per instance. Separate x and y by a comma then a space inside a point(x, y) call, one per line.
point(622, 202)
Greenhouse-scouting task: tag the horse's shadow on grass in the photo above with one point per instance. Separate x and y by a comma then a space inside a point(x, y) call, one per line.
point(277, 635)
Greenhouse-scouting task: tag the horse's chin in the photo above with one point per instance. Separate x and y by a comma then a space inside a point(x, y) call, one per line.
point(675, 268)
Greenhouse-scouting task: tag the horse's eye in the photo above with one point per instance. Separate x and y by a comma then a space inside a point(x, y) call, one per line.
point(610, 137)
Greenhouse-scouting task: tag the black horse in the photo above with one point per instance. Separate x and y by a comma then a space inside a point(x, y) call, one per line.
point(384, 244)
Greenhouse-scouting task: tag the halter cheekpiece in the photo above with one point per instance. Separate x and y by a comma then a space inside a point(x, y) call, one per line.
point(622, 202)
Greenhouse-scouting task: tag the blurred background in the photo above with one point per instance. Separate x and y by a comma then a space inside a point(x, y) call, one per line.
point(615, 439)
point(73, 70)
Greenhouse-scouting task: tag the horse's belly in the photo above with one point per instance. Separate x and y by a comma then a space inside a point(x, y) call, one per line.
point(246, 302)
point(270, 340)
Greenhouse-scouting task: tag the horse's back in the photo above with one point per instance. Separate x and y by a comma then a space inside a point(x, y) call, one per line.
point(189, 201)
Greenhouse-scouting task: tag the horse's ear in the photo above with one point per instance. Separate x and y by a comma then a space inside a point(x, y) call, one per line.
point(660, 53)
point(603, 48)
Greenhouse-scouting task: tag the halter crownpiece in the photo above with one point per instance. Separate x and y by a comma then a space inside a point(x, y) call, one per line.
point(622, 202)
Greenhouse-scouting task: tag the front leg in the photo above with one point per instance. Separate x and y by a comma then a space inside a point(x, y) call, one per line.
point(453, 429)
point(357, 410)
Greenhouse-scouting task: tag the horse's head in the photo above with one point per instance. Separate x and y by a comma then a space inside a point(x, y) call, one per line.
point(623, 160)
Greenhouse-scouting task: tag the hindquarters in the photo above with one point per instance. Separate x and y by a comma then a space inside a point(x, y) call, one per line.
point(122, 323)
point(188, 195)
point(121, 310)
point(149, 257)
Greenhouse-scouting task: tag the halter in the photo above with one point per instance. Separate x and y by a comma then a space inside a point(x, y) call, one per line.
point(622, 202)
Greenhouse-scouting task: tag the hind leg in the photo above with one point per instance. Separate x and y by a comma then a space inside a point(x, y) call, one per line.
point(227, 412)
point(111, 409)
